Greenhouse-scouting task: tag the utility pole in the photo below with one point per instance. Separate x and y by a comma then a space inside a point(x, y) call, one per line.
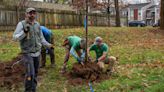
point(127, 14)
point(86, 30)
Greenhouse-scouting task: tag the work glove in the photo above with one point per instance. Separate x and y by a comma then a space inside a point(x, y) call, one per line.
point(79, 60)
point(82, 59)
point(27, 29)
point(89, 59)
point(46, 50)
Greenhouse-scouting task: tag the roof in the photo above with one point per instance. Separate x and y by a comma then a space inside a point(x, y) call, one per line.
point(137, 5)
point(153, 6)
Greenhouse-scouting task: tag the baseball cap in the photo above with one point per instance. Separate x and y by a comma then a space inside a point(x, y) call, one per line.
point(30, 9)
point(98, 40)
point(83, 43)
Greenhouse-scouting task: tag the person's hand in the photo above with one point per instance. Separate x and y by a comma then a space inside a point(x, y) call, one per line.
point(82, 63)
point(82, 59)
point(79, 60)
point(27, 29)
point(89, 59)
point(51, 46)
point(96, 61)
point(101, 64)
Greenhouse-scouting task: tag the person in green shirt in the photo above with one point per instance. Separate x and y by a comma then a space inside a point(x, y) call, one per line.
point(74, 44)
point(101, 49)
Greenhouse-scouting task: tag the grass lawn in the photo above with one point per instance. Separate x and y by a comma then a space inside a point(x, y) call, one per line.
point(140, 52)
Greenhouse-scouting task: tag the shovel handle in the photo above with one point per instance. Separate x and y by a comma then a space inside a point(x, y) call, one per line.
point(15, 64)
point(28, 35)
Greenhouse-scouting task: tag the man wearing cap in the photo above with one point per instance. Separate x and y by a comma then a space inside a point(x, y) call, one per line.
point(31, 39)
point(49, 38)
point(101, 50)
point(72, 44)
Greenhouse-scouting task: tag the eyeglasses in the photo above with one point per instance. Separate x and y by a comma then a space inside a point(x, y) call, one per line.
point(32, 12)
point(99, 41)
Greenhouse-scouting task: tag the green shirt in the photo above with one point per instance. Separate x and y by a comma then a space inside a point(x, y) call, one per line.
point(99, 50)
point(74, 41)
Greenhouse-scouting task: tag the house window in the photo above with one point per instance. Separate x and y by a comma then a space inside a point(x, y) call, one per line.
point(132, 13)
point(139, 12)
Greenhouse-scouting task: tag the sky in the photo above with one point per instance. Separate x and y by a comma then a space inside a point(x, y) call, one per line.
point(136, 1)
point(140, 1)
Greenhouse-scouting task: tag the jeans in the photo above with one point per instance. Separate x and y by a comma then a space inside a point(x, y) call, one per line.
point(50, 52)
point(31, 64)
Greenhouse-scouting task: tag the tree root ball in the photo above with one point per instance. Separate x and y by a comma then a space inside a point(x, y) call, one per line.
point(80, 74)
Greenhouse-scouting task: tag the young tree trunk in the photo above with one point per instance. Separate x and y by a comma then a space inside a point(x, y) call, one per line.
point(162, 15)
point(117, 13)
point(108, 12)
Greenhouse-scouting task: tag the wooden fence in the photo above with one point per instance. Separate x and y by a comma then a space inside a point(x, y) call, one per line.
point(53, 19)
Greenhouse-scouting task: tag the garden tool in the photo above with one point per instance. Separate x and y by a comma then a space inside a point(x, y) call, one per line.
point(28, 29)
point(12, 66)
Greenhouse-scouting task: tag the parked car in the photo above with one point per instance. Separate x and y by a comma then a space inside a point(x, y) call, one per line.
point(137, 24)
point(156, 24)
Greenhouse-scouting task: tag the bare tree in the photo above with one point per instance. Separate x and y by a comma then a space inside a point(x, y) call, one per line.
point(117, 13)
point(162, 15)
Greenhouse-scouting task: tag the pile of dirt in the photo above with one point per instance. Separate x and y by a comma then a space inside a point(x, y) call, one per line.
point(11, 77)
point(83, 74)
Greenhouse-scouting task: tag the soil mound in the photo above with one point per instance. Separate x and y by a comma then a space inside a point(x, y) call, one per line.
point(83, 74)
point(10, 76)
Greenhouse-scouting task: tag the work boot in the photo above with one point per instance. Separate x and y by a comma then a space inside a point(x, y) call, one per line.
point(111, 66)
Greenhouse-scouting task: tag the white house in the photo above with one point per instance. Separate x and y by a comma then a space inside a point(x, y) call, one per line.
point(153, 14)
point(148, 12)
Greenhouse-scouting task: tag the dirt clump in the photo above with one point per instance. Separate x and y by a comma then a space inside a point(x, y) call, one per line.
point(83, 74)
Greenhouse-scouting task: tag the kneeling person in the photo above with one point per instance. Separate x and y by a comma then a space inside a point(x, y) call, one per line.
point(101, 50)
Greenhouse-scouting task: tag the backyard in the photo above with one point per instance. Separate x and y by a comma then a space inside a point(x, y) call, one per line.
point(140, 66)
